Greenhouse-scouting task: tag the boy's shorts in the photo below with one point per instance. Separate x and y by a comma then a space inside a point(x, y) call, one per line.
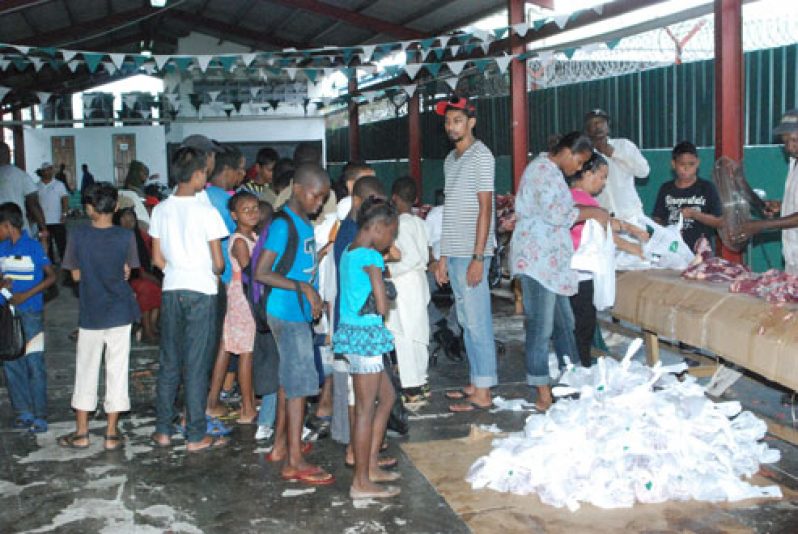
point(298, 374)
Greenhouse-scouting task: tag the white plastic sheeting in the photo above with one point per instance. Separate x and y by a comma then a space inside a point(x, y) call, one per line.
point(633, 434)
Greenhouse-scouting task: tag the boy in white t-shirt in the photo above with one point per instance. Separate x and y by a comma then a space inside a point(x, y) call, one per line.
point(186, 246)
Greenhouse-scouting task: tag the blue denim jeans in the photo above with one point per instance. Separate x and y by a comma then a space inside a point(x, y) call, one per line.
point(298, 374)
point(26, 377)
point(268, 410)
point(548, 317)
point(476, 318)
point(188, 335)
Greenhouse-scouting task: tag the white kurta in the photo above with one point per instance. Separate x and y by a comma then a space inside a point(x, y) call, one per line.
point(789, 238)
point(407, 317)
point(620, 195)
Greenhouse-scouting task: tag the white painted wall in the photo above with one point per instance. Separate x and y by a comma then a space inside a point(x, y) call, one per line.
point(93, 146)
point(260, 130)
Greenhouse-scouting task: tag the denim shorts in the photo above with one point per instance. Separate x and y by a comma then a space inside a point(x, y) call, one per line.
point(364, 365)
point(298, 374)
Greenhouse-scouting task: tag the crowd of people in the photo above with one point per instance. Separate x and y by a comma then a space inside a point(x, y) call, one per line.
point(291, 286)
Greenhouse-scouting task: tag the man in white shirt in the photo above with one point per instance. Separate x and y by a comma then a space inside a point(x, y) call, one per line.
point(18, 187)
point(54, 200)
point(625, 162)
point(788, 207)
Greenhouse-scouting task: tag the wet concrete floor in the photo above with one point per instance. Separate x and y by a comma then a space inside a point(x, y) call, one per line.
point(44, 488)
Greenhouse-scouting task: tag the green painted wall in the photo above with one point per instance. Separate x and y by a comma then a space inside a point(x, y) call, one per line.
point(765, 168)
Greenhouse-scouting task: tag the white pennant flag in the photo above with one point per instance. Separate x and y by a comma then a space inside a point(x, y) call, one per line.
point(214, 95)
point(521, 29)
point(482, 35)
point(291, 72)
point(149, 68)
point(37, 63)
point(486, 47)
point(110, 68)
point(129, 100)
point(253, 92)
point(73, 65)
point(562, 20)
point(160, 61)
point(22, 48)
point(456, 66)
point(412, 69)
point(546, 57)
point(452, 82)
point(588, 48)
point(502, 62)
point(43, 97)
point(144, 113)
point(368, 51)
point(410, 90)
point(3, 92)
point(68, 55)
point(203, 61)
point(248, 58)
point(445, 40)
point(4, 63)
point(405, 44)
point(455, 50)
point(599, 9)
point(118, 60)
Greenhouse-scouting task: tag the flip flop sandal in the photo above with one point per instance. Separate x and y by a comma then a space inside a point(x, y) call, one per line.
point(385, 492)
point(23, 421)
point(314, 476)
point(456, 394)
point(217, 443)
point(386, 462)
point(159, 444)
point(470, 407)
point(117, 441)
point(68, 441)
point(216, 428)
point(306, 447)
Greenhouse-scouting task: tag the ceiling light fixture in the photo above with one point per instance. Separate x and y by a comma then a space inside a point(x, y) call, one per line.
point(157, 3)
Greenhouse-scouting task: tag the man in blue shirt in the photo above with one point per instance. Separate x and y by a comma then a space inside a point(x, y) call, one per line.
point(292, 304)
point(26, 273)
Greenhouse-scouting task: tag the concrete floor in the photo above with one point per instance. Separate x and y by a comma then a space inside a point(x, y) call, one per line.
point(44, 488)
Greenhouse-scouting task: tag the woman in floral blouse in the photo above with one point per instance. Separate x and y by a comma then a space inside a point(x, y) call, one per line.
point(541, 253)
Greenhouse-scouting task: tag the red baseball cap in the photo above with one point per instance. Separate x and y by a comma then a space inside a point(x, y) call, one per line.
point(456, 102)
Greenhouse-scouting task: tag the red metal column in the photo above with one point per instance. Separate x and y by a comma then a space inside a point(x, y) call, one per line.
point(19, 140)
point(414, 141)
point(354, 122)
point(519, 117)
point(729, 86)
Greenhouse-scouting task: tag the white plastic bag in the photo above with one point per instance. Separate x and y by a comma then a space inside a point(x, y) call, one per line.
point(666, 249)
point(588, 256)
point(604, 277)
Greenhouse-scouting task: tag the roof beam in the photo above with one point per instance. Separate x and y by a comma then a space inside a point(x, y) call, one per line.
point(12, 6)
point(70, 15)
point(83, 30)
point(352, 17)
point(318, 38)
point(230, 32)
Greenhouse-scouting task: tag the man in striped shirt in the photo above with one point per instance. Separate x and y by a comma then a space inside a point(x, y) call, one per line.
point(468, 240)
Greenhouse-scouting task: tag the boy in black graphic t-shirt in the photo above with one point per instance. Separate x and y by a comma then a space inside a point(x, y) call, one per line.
point(695, 198)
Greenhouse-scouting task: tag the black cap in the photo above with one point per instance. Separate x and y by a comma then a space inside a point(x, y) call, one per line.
point(200, 142)
point(788, 124)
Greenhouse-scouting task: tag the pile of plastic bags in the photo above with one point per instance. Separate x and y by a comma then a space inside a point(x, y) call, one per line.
point(626, 433)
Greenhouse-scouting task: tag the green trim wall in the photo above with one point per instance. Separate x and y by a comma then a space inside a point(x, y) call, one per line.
point(765, 168)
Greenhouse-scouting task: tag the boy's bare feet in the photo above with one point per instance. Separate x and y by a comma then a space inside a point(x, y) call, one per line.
point(373, 491)
point(208, 442)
